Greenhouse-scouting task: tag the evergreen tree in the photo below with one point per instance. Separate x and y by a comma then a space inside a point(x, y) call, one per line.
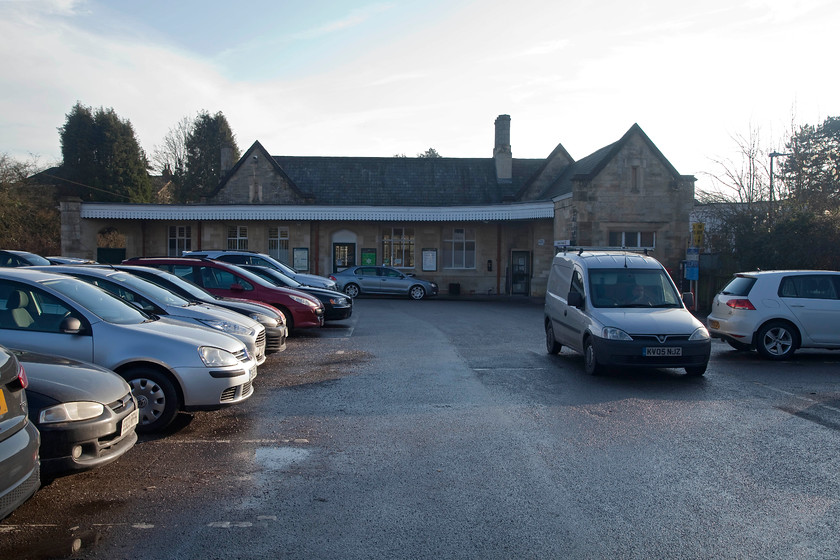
point(811, 170)
point(102, 159)
point(208, 136)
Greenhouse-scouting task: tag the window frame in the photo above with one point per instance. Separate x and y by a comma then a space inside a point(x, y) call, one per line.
point(403, 246)
point(461, 245)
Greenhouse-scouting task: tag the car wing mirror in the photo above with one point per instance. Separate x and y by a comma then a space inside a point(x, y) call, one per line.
point(575, 299)
point(70, 325)
point(688, 299)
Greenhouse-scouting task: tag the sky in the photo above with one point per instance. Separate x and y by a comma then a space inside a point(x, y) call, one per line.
point(356, 78)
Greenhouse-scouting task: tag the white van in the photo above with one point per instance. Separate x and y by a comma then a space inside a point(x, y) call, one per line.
point(620, 308)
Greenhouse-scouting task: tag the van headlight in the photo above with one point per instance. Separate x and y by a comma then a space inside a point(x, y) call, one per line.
point(70, 412)
point(613, 333)
point(700, 334)
point(227, 327)
point(216, 357)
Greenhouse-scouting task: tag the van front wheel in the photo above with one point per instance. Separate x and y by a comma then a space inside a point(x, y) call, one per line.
point(590, 363)
point(551, 344)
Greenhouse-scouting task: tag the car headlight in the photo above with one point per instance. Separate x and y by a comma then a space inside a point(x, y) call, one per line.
point(269, 322)
point(338, 301)
point(71, 412)
point(700, 334)
point(612, 333)
point(304, 301)
point(227, 326)
point(216, 357)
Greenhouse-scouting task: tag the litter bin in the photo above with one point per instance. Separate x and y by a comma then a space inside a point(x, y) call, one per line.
point(454, 289)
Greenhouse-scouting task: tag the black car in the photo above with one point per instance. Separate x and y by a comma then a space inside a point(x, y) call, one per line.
point(272, 319)
point(20, 474)
point(337, 306)
point(86, 414)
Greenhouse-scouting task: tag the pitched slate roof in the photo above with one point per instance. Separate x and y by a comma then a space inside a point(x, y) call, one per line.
point(587, 168)
point(400, 181)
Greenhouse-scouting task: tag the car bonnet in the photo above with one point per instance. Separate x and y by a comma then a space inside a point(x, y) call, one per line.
point(67, 380)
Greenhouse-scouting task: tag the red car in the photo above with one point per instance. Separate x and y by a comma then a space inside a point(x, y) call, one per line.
point(302, 311)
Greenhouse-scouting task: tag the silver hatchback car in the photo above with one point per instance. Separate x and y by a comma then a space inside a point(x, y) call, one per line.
point(169, 366)
point(156, 300)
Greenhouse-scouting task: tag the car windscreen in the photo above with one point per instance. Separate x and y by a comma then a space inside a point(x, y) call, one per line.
point(104, 305)
point(739, 286)
point(195, 292)
point(149, 289)
point(632, 287)
point(274, 276)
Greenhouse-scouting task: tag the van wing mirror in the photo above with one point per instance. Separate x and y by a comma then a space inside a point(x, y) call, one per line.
point(688, 299)
point(575, 299)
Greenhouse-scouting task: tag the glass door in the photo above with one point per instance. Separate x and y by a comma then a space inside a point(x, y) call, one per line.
point(344, 256)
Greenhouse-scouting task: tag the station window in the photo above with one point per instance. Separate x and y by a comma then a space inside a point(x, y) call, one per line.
point(237, 238)
point(180, 240)
point(278, 243)
point(634, 239)
point(459, 248)
point(398, 247)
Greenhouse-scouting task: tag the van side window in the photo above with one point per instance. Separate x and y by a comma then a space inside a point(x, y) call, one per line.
point(577, 283)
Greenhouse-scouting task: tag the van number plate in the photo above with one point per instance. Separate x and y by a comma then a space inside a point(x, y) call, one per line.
point(662, 351)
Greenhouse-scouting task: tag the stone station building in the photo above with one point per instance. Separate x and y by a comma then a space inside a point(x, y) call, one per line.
point(473, 225)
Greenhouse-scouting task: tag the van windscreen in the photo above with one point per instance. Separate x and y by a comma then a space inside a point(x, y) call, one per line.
point(628, 287)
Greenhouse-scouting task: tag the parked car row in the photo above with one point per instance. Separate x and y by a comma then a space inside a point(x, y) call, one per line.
point(93, 354)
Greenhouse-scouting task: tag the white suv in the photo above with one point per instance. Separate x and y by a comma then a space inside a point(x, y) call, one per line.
point(778, 311)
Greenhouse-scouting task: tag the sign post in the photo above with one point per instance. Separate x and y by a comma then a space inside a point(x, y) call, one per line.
point(692, 270)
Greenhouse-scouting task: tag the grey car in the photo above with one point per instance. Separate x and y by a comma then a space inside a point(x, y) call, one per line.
point(156, 300)
point(363, 280)
point(261, 259)
point(86, 414)
point(20, 474)
point(170, 366)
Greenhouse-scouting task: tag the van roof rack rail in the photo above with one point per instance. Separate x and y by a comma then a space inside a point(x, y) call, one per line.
point(580, 249)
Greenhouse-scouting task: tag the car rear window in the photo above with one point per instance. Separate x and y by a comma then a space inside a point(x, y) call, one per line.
point(739, 286)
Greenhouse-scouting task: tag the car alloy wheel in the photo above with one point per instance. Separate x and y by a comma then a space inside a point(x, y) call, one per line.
point(776, 341)
point(417, 292)
point(352, 290)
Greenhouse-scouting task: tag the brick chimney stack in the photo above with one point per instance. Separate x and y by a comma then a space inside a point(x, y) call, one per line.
point(501, 151)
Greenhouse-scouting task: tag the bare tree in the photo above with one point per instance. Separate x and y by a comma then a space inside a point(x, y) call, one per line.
point(744, 181)
point(172, 154)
